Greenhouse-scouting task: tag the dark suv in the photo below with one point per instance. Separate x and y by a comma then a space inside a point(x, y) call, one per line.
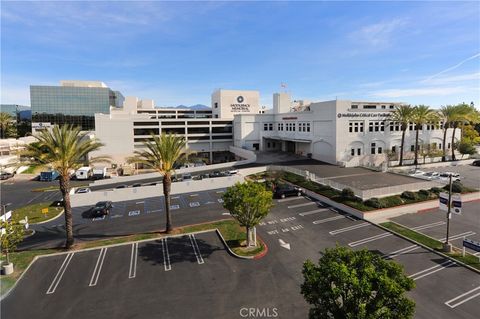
point(283, 191)
point(101, 208)
point(476, 163)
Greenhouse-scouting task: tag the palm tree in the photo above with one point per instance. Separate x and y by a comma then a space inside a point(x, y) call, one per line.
point(447, 113)
point(161, 153)
point(5, 122)
point(463, 113)
point(64, 149)
point(421, 114)
point(402, 115)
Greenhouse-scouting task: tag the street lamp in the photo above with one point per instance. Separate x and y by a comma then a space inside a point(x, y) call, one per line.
point(447, 247)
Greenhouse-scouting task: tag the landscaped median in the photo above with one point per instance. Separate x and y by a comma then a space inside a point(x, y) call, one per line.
point(38, 213)
point(232, 233)
point(469, 259)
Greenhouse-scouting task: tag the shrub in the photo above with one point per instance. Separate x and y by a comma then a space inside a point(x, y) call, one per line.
point(423, 193)
point(436, 190)
point(409, 195)
point(347, 193)
point(374, 202)
point(392, 201)
point(457, 187)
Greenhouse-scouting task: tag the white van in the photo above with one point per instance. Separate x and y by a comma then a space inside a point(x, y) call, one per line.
point(99, 172)
point(83, 173)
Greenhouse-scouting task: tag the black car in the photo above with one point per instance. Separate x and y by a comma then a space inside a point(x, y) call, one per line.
point(137, 185)
point(215, 174)
point(476, 163)
point(101, 208)
point(283, 191)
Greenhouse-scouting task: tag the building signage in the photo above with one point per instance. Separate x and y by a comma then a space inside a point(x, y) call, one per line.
point(289, 118)
point(474, 245)
point(456, 202)
point(240, 106)
point(41, 125)
point(364, 114)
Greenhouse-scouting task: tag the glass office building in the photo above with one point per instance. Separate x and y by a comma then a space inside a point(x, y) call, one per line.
point(74, 102)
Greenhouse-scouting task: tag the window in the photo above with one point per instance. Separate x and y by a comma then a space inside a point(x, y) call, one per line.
point(449, 144)
point(370, 107)
point(221, 129)
point(172, 123)
point(384, 106)
point(380, 150)
point(412, 148)
point(391, 107)
point(439, 146)
point(410, 126)
point(352, 152)
point(270, 126)
point(145, 123)
point(222, 137)
point(293, 127)
point(145, 131)
point(308, 127)
point(370, 127)
point(265, 126)
point(216, 105)
point(278, 127)
point(354, 106)
point(199, 130)
point(173, 130)
point(268, 144)
point(372, 148)
point(394, 126)
point(359, 151)
point(197, 123)
point(394, 149)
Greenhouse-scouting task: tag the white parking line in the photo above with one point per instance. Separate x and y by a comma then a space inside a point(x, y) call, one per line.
point(432, 270)
point(342, 230)
point(313, 211)
point(401, 251)
point(449, 303)
point(59, 275)
point(289, 199)
point(301, 205)
point(459, 236)
point(154, 211)
point(429, 226)
point(141, 202)
point(196, 250)
point(98, 267)
point(133, 261)
point(321, 221)
point(369, 239)
point(166, 256)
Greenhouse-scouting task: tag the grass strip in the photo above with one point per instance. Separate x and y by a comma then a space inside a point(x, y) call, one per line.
point(469, 259)
point(34, 212)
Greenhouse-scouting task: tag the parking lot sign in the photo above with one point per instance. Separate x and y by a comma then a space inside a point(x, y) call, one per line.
point(472, 244)
point(443, 198)
point(45, 210)
point(457, 204)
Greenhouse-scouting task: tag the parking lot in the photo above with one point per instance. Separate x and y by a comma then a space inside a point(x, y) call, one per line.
point(464, 225)
point(160, 277)
point(469, 175)
point(130, 217)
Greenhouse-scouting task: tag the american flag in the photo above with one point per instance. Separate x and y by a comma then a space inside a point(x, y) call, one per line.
point(283, 85)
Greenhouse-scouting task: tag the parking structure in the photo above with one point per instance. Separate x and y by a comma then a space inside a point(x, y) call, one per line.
point(187, 277)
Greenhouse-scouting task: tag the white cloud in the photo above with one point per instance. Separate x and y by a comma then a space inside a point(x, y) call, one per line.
point(427, 91)
point(379, 34)
point(454, 78)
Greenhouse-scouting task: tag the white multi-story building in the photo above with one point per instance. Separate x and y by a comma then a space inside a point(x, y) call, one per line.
point(208, 133)
point(344, 132)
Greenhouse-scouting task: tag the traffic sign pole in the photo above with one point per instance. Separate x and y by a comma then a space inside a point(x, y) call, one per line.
point(447, 247)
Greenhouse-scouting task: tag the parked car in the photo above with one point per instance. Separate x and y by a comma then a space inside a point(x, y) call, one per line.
point(202, 176)
point(476, 163)
point(82, 190)
point(197, 177)
point(215, 174)
point(446, 176)
point(186, 177)
point(431, 175)
point(136, 185)
point(49, 176)
point(101, 209)
point(283, 191)
point(416, 173)
point(121, 186)
point(5, 175)
point(150, 184)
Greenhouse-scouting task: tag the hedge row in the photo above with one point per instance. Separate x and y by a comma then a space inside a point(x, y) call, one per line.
point(347, 197)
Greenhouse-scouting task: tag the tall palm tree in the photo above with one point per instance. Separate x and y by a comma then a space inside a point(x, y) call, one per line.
point(402, 115)
point(421, 114)
point(161, 153)
point(463, 113)
point(447, 114)
point(5, 122)
point(64, 149)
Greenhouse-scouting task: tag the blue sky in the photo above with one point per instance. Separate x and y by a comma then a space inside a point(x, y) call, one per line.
point(179, 52)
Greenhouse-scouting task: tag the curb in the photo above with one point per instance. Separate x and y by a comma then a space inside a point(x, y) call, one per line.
point(265, 250)
point(49, 220)
point(230, 251)
point(428, 248)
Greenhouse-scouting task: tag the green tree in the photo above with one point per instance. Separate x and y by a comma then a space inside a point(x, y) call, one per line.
point(464, 114)
point(422, 114)
point(248, 203)
point(356, 285)
point(469, 133)
point(161, 154)
point(12, 232)
point(64, 149)
point(403, 115)
point(7, 129)
point(466, 147)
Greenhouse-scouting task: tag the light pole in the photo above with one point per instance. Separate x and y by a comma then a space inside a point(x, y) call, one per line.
point(447, 247)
